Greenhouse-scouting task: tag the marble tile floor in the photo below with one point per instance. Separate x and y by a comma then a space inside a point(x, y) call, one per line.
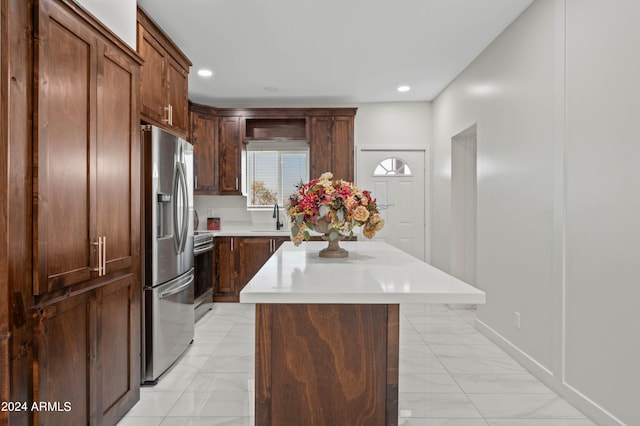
point(450, 374)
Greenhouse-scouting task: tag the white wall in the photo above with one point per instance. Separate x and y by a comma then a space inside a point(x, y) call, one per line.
point(118, 15)
point(393, 124)
point(558, 196)
point(602, 202)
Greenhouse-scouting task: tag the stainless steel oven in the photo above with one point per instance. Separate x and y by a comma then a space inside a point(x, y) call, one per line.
point(203, 250)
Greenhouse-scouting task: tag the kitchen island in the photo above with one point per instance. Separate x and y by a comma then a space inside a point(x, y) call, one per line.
point(327, 331)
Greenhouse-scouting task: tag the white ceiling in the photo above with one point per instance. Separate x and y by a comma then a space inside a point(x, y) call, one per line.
point(314, 52)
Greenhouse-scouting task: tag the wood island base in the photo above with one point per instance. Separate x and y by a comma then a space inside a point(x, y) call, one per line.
point(326, 364)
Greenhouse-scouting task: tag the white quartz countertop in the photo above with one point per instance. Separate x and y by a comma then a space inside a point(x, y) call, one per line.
point(241, 229)
point(374, 272)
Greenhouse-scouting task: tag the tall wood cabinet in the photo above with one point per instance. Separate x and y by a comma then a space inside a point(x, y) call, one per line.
point(86, 218)
point(164, 97)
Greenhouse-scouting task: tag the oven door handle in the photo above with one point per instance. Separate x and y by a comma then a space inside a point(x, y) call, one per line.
point(176, 290)
point(203, 249)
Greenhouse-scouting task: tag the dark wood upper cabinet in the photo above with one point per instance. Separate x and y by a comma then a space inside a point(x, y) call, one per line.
point(206, 151)
point(320, 146)
point(164, 97)
point(218, 155)
point(276, 129)
point(332, 146)
point(178, 95)
point(342, 155)
point(230, 155)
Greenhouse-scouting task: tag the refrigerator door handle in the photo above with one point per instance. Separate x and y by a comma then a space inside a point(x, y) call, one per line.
point(180, 227)
point(177, 289)
point(185, 207)
point(176, 193)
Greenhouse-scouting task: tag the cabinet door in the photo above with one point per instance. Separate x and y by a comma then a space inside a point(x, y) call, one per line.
point(342, 147)
point(118, 326)
point(65, 360)
point(177, 96)
point(230, 151)
point(278, 241)
point(153, 77)
point(205, 153)
point(226, 290)
point(116, 159)
point(320, 146)
point(64, 143)
point(253, 254)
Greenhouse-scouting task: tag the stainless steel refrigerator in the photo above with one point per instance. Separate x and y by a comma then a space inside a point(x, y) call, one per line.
point(168, 320)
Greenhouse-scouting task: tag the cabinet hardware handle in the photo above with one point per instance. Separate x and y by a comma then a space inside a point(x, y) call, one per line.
point(171, 115)
point(101, 243)
point(167, 110)
point(195, 178)
point(232, 244)
point(104, 255)
point(236, 184)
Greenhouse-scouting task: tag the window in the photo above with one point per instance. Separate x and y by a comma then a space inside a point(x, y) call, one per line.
point(392, 167)
point(274, 169)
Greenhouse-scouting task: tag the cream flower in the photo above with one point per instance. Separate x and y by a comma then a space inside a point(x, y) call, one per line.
point(299, 237)
point(349, 202)
point(345, 228)
point(361, 214)
point(368, 232)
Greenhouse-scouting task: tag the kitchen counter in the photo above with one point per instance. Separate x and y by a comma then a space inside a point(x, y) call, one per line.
point(327, 330)
point(374, 272)
point(242, 229)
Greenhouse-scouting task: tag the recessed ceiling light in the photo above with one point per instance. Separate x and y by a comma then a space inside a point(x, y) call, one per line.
point(271, 89)
point(205, 73)
point(403, 88)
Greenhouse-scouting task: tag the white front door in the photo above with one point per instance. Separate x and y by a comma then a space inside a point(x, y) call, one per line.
point(397, 180)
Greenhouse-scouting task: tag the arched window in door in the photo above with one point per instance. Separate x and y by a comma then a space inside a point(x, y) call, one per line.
point(393, 166)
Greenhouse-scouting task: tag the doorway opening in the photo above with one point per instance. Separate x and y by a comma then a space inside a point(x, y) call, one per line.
point(464, 184)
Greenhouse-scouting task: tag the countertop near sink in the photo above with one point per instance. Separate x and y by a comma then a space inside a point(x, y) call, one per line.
point(242, 229)
point(248, 229)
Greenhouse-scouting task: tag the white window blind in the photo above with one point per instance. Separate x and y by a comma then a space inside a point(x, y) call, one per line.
point(274, 169)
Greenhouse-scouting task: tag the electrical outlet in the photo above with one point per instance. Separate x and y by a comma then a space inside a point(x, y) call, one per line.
point(516, 320)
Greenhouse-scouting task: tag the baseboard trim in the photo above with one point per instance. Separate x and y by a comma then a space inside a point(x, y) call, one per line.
point(586, 405)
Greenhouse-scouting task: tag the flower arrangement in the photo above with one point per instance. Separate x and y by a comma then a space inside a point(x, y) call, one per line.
point(333, 207)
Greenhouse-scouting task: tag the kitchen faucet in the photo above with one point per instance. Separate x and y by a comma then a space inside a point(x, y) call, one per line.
point(276, 216)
